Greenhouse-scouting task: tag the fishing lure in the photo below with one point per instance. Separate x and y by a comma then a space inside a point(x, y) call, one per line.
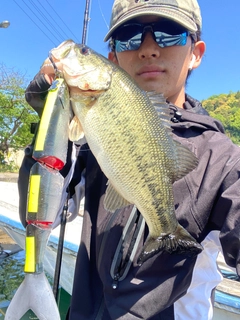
point(44, 201)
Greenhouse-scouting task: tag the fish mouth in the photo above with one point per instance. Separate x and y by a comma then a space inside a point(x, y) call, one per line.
point(86, 92)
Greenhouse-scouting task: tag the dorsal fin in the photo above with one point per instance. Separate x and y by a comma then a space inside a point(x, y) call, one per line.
point(162, 108)
point(185, 161)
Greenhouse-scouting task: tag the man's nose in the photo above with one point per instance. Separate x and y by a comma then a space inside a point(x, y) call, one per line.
point(149, 47)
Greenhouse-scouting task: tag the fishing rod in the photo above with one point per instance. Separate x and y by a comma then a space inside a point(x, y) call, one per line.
point(57, 272)
point(64, 212)
point(85, 22)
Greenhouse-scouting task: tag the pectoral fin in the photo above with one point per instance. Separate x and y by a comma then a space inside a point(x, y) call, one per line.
point(113, 200)
point(75, 130)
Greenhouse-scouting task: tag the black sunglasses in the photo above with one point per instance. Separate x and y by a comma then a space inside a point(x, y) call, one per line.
point(130, 36)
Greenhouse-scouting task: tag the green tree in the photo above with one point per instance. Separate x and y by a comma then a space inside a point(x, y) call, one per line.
point(226, 108)
point(16, 115)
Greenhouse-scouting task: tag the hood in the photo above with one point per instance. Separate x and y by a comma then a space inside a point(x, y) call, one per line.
point(194, 116)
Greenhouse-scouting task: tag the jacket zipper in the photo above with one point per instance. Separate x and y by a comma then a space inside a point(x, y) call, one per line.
point(101, 252)
point(120, 266)
point(130, 239)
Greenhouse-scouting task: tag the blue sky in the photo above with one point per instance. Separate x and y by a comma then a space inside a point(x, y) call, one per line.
point(39, 25)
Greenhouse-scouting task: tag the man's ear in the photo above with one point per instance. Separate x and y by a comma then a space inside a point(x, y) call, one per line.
point(113, 57)
point(198, 53)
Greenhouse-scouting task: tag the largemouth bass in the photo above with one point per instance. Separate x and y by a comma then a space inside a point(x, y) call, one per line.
point(126, 130)
point(44, 201)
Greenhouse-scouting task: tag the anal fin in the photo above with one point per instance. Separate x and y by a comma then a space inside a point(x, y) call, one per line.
point(113, 200)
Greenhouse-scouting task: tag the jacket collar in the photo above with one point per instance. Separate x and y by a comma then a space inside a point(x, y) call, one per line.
point(193, 115)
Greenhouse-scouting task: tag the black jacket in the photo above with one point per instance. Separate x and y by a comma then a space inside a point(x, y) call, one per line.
point(167, 286)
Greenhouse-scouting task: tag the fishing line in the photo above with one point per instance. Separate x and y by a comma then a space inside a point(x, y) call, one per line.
point(62, 21)
point(52, 30)
point(100, 8)
point(41, 22)
point(47, 20)
point(34, 23)
point(52, 18)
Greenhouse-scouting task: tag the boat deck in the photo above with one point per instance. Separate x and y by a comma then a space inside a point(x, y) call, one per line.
point(227, 297)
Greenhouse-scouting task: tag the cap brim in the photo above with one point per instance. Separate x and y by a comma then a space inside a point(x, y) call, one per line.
point(168, 13)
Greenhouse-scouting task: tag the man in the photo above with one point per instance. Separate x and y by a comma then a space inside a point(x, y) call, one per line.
point(158, 43)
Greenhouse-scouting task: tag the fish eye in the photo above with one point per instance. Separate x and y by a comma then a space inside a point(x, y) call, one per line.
point(84, 50)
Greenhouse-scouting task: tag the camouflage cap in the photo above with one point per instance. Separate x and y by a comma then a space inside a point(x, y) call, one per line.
point(185, 12)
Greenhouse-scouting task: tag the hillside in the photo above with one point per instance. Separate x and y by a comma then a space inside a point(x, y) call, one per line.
point(226, 108)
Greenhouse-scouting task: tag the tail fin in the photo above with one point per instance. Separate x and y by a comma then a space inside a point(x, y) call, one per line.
point(179, 242)
point(34, 293)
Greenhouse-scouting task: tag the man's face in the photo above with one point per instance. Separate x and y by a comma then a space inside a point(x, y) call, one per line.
point(163, 70)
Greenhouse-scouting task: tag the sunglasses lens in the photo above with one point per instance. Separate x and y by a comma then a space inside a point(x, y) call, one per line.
point(168, 40)
point(129, 37)
point(131, 44)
